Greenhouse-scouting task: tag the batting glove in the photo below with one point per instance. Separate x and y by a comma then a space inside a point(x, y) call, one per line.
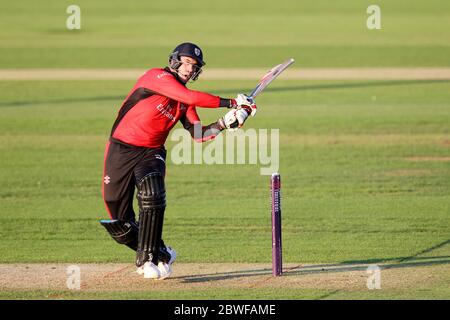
point(251, 109)
point(235, 118)
point(244, 100)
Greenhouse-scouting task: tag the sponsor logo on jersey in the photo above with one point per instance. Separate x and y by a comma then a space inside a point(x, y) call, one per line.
point(165, 73)
point(165, 110)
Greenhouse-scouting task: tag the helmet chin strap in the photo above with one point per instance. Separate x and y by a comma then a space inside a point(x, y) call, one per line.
point(182, 79)
point(175, 63)
point(192, 78)
point(174, 67)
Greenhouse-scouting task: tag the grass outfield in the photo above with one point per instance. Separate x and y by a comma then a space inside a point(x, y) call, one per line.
point(365, 169)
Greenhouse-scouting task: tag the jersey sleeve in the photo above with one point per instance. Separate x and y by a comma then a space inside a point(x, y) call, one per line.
point(165, 84)
point(192, 115)
point(199, 133)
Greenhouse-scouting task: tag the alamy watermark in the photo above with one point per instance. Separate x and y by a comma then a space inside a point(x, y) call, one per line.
point(373, 22)
point(374, 279)
point(255, 147)
point(73, 281)
point(73, 21)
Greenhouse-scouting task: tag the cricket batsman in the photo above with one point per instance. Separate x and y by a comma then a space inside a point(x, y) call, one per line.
point(135, 154)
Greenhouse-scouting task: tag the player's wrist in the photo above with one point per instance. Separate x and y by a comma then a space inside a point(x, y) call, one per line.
point(221, 124)
point(227, 103)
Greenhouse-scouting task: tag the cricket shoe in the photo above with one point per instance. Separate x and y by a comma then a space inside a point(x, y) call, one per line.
point(149, 270)
point(165, 268)
point(173, 255)
point(140, 270)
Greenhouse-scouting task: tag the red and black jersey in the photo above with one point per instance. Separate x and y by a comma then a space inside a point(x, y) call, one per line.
point(156, 103)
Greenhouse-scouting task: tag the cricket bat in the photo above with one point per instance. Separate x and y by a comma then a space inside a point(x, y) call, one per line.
point(271, 75)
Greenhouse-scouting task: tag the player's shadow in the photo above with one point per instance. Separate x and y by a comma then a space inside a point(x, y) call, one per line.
point(345, 85)
point(311, 269)
point(346, 266)
point(408, 258)
point(225, 275)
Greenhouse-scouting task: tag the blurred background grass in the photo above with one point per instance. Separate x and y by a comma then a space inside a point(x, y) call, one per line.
point(247, 33)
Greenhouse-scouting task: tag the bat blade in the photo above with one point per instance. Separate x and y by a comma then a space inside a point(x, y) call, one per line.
point(271, 75)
